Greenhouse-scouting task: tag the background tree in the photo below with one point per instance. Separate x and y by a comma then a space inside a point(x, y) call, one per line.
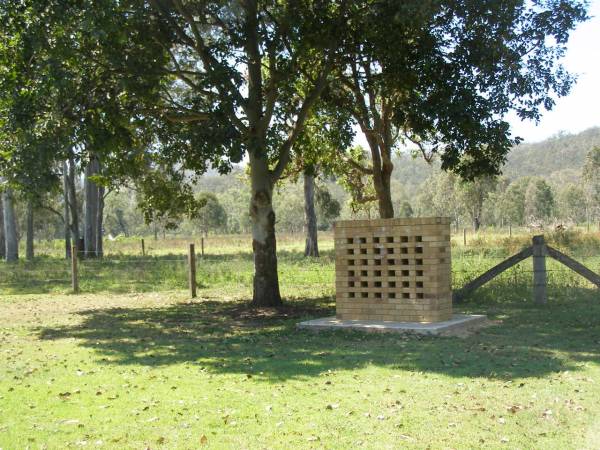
point(572, 204)
point(2, 238)
point(311, 247)
point(328, 207)
point(591, 177)
point(211, 215)
point(473, 194)
point(539, 201)
point(10, 225)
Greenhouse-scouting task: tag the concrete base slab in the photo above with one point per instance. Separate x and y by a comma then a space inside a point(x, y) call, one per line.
point(458, 323)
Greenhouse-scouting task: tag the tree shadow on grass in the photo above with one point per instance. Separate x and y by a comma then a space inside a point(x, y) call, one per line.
point(229, 337)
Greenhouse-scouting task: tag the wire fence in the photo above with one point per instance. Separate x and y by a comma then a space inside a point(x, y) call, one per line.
point(213, 268)
point(146, 274)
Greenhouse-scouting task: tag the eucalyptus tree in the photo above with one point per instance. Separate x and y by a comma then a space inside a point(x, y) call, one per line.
point(2, 238)
point(440, 76)
point(224, 80)
point(61, 100)
point(11, 242)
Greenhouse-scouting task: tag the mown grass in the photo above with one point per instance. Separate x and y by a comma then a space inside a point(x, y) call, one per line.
point(143, 367)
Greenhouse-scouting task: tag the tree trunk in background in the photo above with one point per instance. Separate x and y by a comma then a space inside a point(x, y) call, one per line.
point(2, 240)
point(10, 226)
point(29, 238)
point(73, 207)
point(66, 211)
point(91, 209)
point(264, 246)
point(100, 223)
point(312, 247)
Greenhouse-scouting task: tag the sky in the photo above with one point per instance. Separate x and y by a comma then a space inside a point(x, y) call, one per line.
point(581, 108)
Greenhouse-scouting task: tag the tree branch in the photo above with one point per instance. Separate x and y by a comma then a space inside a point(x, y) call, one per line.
point(301, 117)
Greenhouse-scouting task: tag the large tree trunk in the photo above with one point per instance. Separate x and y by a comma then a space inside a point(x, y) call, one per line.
point(29, 233)
point(91, 209)
point(383, 188)
point(2, 240)
point(266, 281)
point(382, 176)
point(66, 211)
point(100, 223)
point(73, 207)
point(382, 181)
point(10, 226)
point(312, 247)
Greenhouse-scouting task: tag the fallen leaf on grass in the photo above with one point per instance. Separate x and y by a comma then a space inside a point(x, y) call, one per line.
point(69, 422)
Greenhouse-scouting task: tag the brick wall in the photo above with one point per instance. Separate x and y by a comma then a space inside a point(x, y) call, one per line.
point(393, 269)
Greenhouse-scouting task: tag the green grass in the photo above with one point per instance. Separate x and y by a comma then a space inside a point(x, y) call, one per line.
point(142, 367)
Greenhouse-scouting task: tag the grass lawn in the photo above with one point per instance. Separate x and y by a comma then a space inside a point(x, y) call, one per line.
point(120, 369)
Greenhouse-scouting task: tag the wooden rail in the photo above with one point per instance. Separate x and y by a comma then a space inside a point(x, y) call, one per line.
point(539, 250)
point(575, 266)
point(482, 279)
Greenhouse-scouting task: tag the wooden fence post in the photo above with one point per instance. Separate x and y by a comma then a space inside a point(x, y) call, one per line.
point(465, 237)
point(539, 270)
point(510, 230)
point(192, 270)
point(74, 274)
point(202, 246)
point(143, 248)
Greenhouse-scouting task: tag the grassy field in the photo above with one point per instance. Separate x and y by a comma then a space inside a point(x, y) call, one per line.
point(132, 363)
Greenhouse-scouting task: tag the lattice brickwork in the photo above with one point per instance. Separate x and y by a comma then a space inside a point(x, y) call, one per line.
point(393, 269)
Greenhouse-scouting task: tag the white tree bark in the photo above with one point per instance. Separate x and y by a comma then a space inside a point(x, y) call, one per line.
point(266, 281)
point(91, 210)
point(100, 223)
point(66, 211)
point(10, 226)
point(312, 246)
point(2, 240)
point(29, 239)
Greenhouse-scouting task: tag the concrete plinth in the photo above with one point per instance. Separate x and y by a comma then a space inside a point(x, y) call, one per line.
point(458, 323)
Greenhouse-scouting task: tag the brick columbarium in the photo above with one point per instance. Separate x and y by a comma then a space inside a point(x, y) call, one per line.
point(394, 275)
point(393, 270)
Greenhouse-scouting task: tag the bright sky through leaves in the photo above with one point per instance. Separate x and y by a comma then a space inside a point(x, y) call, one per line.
point(581, 108)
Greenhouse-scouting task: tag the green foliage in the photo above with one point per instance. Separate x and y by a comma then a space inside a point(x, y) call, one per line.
point(539, 201)
point(512, 202)
point(328, 208)
point(211, 215)
point(166, 199)
point(591, 177)
point(473, 194)
point(571, 204)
